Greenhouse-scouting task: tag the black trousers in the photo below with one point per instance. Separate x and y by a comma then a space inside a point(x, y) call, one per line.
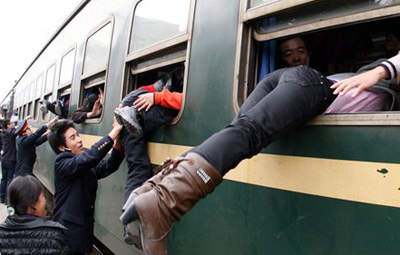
point(7, 172)
point(137, 158)
point(283, 101)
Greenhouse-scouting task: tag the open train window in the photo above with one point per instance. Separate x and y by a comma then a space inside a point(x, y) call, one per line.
point(349, 35)
point(37, 95)
point(65, 82)
point(31, 88)
point(95, 64)
point(151, 58)
point(48, 88)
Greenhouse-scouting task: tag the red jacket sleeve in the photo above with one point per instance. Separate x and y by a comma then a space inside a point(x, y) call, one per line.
point(168, 99)
point(149, 88)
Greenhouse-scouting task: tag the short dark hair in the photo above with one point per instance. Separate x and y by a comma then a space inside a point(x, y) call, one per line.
point(5, 123)
point(56, 137)
point(23, 192)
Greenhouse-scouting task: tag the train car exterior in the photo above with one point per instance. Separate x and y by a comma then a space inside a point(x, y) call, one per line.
point(332, 187)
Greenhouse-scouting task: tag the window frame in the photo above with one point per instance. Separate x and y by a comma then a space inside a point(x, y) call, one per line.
point(36, 98)
point(247, 35)
point(69, 82)
point(62, 87)
point(167, 43)
point(160, 49)
point(85, 76)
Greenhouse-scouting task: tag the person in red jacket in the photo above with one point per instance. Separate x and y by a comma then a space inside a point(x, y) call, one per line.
point(142, 111)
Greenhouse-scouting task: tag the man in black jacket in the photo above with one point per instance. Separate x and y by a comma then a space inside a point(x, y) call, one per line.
point(76, 171)
point(8, 162)
point(26, 146)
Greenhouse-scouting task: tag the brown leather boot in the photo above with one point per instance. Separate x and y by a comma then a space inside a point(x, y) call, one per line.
point(192, 179)
point(129, 217)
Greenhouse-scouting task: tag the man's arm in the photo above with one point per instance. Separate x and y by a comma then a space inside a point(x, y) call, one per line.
point(165, 98)
point(69, 167)
point(388, 69)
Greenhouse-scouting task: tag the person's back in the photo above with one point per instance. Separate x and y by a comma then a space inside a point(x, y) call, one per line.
point(32, 235)
point(9, 149)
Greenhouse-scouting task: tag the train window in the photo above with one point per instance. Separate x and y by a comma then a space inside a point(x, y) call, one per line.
point(97, 50)
point(95, 65)
point(38, 93)
point(46, 116)
point(166, 51)
point(39, 86)
point(161, 18)
point(350, 35)
point(48, 88)
point(67, 68)
point(64, 95)
point(50, 75)
point(65, 83)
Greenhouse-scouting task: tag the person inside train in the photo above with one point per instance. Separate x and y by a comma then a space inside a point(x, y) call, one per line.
point(9, 157)
point(142, 111)
point(58, 107)
point(26, 229)
point(91, 107)
point(27, 142)
point(76, 174)
point(282, 102)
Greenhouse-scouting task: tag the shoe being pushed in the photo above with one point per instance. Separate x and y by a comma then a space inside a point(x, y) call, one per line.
point(191, 179)
point(43, 107)
point(129, 117)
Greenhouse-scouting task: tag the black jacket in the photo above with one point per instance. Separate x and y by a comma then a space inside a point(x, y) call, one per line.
point(25, 235)
point(26, 151)
point(75, 180)
point(9, 149)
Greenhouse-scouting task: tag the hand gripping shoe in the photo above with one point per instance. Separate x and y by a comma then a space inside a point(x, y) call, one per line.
point(128, 116)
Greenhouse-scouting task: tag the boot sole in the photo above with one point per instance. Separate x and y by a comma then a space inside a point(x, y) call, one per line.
point(135, 238)
point(131, 127)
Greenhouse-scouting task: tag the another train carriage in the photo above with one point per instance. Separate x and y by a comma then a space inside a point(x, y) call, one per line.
point(332, 187)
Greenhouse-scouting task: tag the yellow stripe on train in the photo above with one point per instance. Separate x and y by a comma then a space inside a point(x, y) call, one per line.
point(358, 181)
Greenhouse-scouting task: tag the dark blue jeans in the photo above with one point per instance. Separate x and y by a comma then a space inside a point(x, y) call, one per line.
point(283, 101)
point(7, 172)
point(139, 166)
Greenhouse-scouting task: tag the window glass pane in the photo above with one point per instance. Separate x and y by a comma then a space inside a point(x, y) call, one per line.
point(97, 49)
point(161, 18)
point(32, 92)
point(254, 3)
point(67, 67)
point(322, 10)
point(39, 85)
point(50, 79)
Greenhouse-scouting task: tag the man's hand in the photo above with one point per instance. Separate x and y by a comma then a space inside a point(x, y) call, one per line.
point(96, 111)
point(51, 122)
point(101, 96)
point(145, 101)
point(116, 129)
point(361, 81)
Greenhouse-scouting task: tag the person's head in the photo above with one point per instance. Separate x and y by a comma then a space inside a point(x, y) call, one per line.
point(294, 52)
point(64, 137)
point(7, 124)
point(392, 44)
point(25, 195)
point(88, 102)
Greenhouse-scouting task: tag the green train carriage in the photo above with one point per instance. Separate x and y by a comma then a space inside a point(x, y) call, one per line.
point(329, 188)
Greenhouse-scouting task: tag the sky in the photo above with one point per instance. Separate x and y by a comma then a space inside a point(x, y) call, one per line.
point(25, 27)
